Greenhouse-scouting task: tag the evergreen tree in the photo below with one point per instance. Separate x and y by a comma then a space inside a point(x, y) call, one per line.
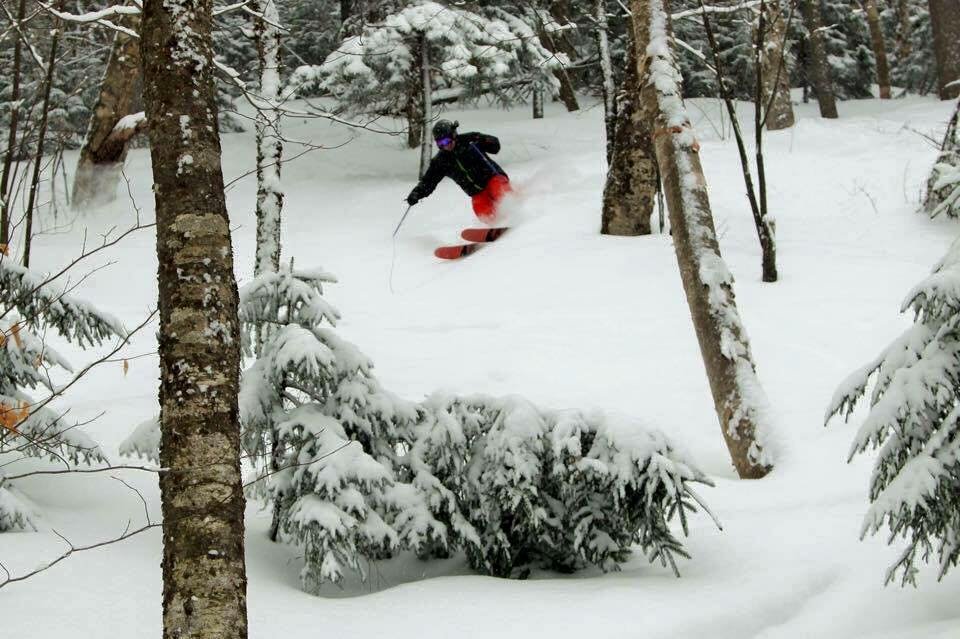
point(364, 474)
point(379, 70)
point(29, 428)
point(914, 421)
point(943, 185)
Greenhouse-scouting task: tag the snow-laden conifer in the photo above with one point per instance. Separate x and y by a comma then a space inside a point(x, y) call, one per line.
point(914, 421)
point(943, 185)
point(356, 473)
point(379, 71)
point(30, 306)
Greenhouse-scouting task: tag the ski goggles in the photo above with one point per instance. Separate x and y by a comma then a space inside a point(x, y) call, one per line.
point(444, 142)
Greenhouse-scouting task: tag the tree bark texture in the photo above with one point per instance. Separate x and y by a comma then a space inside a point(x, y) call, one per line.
point(268, 135)
point(773, 68)
point(204, 578)
point(99, 169)
point(415, 92)
point(879, 48)
point(949, 155)
point(608, 87)
point(737, 395)
point(945, 22)
point(632, 180)
point(554, 43)
point(818, 67)
point(6, 188)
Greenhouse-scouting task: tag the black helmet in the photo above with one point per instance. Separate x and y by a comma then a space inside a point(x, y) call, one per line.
point(445, 129)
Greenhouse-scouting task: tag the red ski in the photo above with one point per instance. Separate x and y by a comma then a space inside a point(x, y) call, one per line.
point(483, 235)
point(455, 252)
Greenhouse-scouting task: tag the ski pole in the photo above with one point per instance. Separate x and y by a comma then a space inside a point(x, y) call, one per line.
point(402, 218)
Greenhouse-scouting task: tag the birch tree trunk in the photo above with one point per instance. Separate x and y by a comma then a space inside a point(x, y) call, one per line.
point(738, 397)
point(609, 88)
point(426, 141)
point(204, 577)
point(818, 67)
point(537, 99)
point(772, 35)
point(879, 49)
point(268, 136)
point(5, 187)
point(631, 188)
point(945, 22)
point(100, 165)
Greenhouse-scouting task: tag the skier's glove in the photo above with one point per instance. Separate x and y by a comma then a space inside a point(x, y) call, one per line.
point(413, 198)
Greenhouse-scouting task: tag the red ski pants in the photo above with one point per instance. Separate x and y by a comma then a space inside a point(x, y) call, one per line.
point(485, 202)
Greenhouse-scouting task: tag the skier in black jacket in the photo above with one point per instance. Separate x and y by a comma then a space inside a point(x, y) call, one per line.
point(464, 159)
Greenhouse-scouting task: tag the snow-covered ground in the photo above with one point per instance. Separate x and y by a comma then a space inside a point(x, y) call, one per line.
point(568, 318)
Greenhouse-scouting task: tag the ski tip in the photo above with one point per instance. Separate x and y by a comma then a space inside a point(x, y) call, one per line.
point(454, 252)
point(482, 235)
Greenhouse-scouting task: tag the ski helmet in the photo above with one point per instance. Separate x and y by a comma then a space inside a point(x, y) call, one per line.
point(445, 129)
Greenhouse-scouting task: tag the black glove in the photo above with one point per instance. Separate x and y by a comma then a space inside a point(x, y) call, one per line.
point(413, 198)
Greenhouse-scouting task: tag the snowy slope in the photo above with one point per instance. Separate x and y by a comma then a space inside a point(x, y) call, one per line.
point(568, 318)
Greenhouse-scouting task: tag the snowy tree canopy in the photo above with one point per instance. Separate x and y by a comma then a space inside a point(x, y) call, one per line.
point(477, 53)
point(914, 421)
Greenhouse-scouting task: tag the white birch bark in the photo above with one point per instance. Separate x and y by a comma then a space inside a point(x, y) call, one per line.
point(606, 68)
point(739, 399)
point(269, 142)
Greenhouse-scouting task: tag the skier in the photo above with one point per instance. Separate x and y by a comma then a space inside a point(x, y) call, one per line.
point(463, 158)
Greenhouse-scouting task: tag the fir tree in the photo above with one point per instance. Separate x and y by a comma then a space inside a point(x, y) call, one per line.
point(914, 421)
point(379, 69)
point(29, 428)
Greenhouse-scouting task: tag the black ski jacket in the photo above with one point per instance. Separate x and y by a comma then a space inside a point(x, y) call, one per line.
point(467, 164)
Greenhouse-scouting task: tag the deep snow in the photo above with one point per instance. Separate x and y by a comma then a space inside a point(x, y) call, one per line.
point(568, 318)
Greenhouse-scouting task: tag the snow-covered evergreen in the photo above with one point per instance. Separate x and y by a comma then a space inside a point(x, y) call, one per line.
point(914, 421)
point(943, 185)
point(356, 473)
point(377, 70)
point(29, 428)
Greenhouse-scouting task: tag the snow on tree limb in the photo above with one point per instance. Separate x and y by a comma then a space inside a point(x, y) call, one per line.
point(740, 401)
point(914, 420)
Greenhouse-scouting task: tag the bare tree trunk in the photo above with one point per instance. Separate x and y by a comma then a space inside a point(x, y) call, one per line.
point(5, 187)
point(204, 575)
point(632, 181)
point(555, 44)
point(765, 228)
point(771, 46)
point(415, 91)
point(426, 142)
point(766, 232)
point(737, 394)
point(818, 67)
point(100, 165)
point(41, 138)
point(945, 22)
point(879, 49)
point(609, 88)
point(949, 155)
